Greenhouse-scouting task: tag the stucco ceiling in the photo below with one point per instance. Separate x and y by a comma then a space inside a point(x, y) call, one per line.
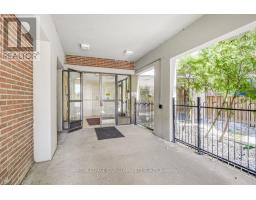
point(110, 35)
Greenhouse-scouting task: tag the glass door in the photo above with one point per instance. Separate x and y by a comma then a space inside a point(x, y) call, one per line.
point(72, 100)
point(145, 106)
point(65, 100)
point(98, 99)
point(124, 99)
point(108, 99)
point(75, 100)
point(91, 100)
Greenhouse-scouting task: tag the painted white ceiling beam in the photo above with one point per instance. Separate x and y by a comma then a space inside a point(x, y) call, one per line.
point(99, 69)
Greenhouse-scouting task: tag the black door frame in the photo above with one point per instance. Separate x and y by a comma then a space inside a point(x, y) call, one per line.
point(80, 122)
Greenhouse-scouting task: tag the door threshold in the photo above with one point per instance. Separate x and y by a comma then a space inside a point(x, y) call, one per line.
point(100, 126)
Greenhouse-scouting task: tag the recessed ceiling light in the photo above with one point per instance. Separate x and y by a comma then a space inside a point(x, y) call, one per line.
point(128, 52)
point(85, 46)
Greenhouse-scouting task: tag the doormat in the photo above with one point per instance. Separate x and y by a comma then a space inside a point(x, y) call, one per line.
point(108, 133)
point(93, 121)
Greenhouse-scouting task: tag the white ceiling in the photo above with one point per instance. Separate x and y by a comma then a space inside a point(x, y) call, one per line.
point(110, 35)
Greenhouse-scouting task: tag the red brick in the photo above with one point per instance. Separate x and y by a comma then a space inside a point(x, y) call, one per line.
point(16, 116)
point(98, 62)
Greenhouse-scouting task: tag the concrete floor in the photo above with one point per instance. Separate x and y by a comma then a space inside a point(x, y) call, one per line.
point(138, 158)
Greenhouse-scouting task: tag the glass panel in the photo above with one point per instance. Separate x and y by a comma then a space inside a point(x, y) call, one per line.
point(75, 111)
point(91, 99)
point(75, 101)
point(108, 87)
point(108, 99)
point(75, 83)
point(145, 103)
point(65, 99)
point(108, 112)
point(124, 99)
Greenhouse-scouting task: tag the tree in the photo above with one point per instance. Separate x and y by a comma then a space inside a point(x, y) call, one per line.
point(145, 94)
point(227, 67)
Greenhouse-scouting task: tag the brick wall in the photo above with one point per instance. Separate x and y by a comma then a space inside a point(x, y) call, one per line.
point(98, 62)
point(16, 115)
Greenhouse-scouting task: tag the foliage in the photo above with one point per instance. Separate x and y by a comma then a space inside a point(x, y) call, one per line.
point(228, 67)
point(145, 94)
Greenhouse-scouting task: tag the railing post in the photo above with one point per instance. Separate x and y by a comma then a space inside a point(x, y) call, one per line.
point(198, 125)
point(173, 120)
point(135, 111)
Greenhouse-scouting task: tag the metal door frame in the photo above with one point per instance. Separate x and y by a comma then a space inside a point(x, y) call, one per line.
point(81, 99)
point(69, 101)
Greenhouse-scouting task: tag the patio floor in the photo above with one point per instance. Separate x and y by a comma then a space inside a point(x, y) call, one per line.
point(138, 158)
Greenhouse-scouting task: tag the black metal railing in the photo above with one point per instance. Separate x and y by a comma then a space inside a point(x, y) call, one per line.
point(225, 133)
point(144, 114)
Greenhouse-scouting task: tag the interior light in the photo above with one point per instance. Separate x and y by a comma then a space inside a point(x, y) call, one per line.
point(128, 52)
point(85, 46)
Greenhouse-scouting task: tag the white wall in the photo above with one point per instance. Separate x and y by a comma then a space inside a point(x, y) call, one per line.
point(42, 102)
point(49, 30)
point(158, 113)
point(45, 91)
point(203, 30)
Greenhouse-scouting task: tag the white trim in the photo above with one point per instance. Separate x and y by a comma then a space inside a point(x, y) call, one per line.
point(145, 69)
point(173, 64)
point(99, 69)
point(226, 36)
